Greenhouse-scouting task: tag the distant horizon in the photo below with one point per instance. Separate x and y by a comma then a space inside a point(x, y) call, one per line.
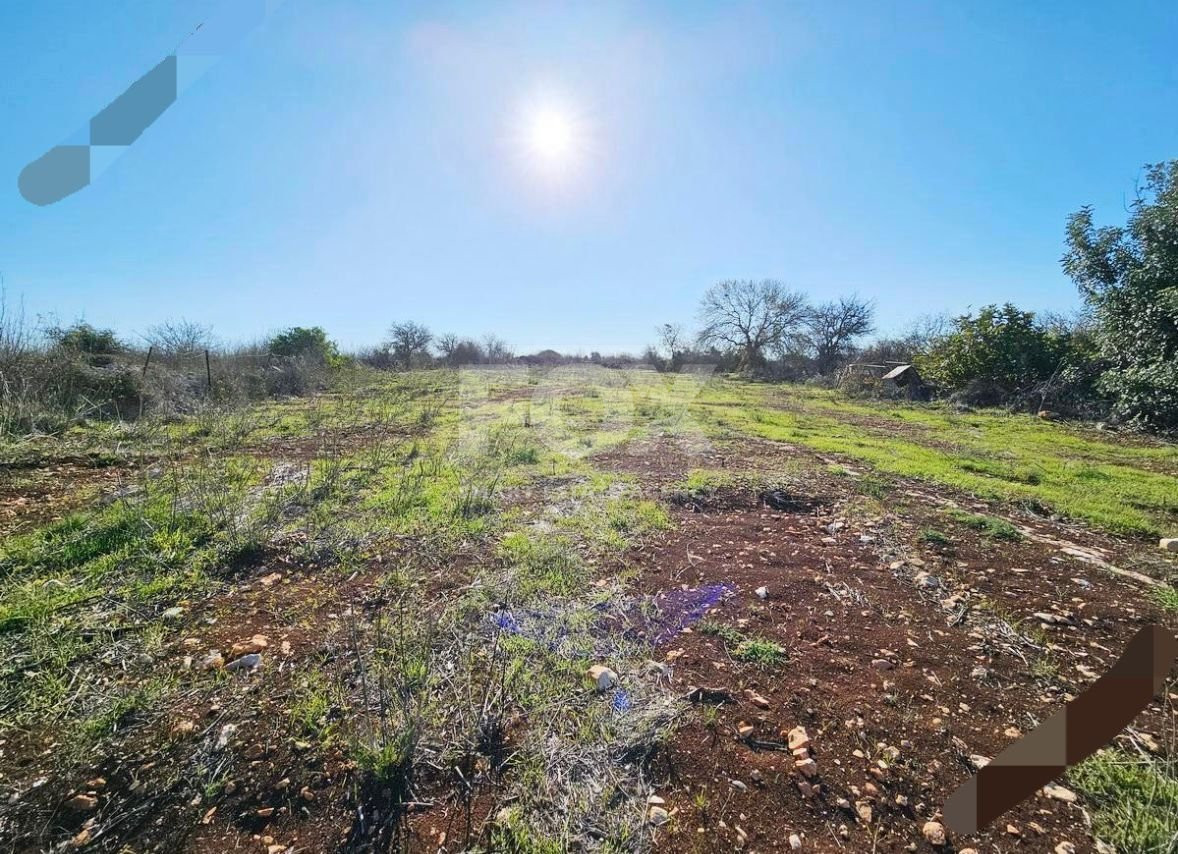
point(139, 336)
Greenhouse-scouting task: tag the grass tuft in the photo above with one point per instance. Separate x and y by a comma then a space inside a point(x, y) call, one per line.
point(751, 649)
point(1166, 598)
point(1136, 800)
point(988, 526)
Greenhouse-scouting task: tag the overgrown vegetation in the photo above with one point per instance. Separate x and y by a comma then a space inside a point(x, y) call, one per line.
point(55, 378)
point(447, 556)
point(997, 355)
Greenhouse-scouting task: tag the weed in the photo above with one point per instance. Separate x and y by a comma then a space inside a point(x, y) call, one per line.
point(759, 651)
point(749, 649)
point(1044, 668)
point(541, 563)
point(311, 711)
point(701, 483)
point(513, 832)
point(988, 526)
point(628, 516)
point(710, 717)
point(1166, 598)
point(390, 758)
point(873, 486)
point(120, 713)
point(701, 802)
point(935, 538)
point(726, 633)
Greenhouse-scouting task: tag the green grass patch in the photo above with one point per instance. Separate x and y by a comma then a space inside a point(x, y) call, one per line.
point(1165, 597)
point(701, 483)
point(315, 704)
point(134, 706)
point(988, 526)
point(933, 537)
point(1122, 486)
point(759, 651)
point(541, 564)
point(751, 649)
point(1136, 800)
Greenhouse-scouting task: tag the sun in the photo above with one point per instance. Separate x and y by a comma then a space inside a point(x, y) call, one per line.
point(553, 138)
point(551, 135)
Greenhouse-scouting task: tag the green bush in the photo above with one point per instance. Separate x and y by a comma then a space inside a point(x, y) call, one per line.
point(84, 338)
point(1002, 346)
point(1129, 277)
point(305, 342)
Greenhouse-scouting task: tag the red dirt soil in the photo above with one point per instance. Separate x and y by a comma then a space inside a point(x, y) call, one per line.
point(843, 592)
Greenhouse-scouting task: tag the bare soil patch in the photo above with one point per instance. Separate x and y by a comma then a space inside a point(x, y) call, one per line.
point(904, 660)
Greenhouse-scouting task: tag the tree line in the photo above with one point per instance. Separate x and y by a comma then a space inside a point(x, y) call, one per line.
point(1117, 359)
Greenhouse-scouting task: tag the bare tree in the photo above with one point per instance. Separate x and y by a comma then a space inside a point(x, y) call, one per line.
point(180, 337)
point(17, 337)
point(831, 329)
point(448, 343)
point(409, 343)
point(495, 349)
point(927, 330)
point(673, 347)
point(455, 350)
point(750, 317)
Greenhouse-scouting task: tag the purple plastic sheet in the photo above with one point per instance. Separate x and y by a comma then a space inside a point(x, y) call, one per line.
point(650, 621)
point(679, 609)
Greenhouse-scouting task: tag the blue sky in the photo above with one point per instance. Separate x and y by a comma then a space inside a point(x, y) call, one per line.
point(358, 162)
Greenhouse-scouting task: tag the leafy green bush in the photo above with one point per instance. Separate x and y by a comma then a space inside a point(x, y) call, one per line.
point(308, 342)
point(1001, 345)
point(1129, 277)
point(84, 338)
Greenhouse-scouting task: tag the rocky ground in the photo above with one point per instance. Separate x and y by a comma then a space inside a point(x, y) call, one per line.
point(792, 651)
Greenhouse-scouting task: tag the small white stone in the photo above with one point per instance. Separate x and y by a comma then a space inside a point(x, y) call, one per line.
point(1060, 794)
point(934, 832)
point(798, 738)
point(602, 677)
point(246, 662)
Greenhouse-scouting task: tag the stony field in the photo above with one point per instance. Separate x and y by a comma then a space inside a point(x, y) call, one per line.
point(366, 621)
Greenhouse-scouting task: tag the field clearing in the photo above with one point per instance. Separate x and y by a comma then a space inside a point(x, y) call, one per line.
point(362, 621)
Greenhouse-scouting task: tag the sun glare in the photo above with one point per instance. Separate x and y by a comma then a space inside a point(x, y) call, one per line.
point(552, 141)
point(550, 135)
